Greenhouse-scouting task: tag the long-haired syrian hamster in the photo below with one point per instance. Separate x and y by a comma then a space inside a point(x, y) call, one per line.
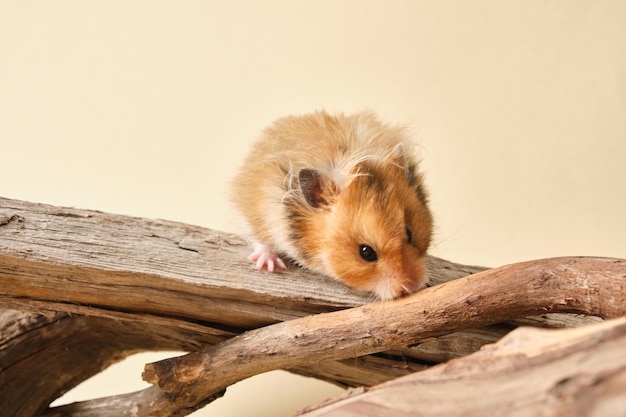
point(340, 195)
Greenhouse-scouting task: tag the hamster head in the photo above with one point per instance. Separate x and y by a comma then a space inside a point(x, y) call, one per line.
point(373, 234)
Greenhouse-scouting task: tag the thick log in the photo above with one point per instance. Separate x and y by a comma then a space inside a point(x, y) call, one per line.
point(530, 372)
point(110, 265)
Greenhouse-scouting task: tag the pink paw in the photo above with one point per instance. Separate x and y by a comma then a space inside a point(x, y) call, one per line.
point(266, 258)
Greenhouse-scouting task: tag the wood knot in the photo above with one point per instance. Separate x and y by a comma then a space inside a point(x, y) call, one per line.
point(5, 220)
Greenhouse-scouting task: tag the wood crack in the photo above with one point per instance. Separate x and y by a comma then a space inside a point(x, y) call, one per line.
point(6, 220)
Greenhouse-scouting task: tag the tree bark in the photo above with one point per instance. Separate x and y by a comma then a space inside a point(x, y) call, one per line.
point(109, 285)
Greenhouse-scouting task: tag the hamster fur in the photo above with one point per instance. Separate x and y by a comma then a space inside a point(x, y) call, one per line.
point(340, 195)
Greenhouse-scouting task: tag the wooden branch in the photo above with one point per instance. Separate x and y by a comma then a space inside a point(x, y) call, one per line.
point(174, 286)
point(148, 402)
point(530, 372)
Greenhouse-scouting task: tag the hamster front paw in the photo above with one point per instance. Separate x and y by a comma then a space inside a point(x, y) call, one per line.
point(265, 258)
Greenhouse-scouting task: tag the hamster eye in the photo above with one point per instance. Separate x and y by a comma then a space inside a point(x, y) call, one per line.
point(367, 253)
point(409, 235)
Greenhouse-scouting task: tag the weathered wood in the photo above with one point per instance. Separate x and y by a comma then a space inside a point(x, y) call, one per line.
point(109, 264)
point(43, 357)
point(154, 285)
point(587, 285)
point(530, 372)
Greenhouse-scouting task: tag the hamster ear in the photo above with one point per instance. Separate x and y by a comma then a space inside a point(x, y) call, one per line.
point(398, 158)
point(397, 155)
point(318, 190)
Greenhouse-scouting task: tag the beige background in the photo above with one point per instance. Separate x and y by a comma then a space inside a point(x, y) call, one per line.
point(146, 107)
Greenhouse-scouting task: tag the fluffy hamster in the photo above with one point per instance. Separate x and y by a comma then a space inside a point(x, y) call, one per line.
point(341, 195)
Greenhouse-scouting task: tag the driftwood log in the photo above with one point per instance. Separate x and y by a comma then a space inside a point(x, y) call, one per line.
point(92, 288)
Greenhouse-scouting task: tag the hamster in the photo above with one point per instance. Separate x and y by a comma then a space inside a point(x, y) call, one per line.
point(341, 195)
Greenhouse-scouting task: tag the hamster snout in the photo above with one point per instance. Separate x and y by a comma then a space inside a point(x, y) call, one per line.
point(390, 230)
point(341, 195)
point(410, 277)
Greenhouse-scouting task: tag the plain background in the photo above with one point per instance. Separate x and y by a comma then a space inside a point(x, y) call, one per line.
point(147, 107)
